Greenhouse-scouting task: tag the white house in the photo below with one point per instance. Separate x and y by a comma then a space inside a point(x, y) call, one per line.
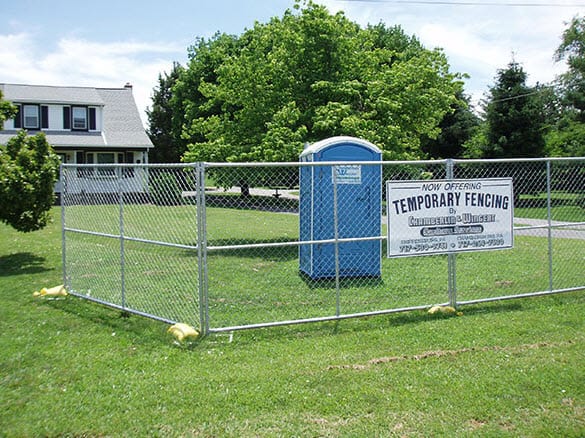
point(85, 125)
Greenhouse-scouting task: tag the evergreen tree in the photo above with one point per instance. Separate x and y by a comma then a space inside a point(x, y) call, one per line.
point(168, 148)
point(28, 171)
point(514, 116)
point(457, 128)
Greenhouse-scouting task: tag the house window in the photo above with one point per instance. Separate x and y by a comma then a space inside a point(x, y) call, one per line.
point(30, 116)
point(106, 158)
point(103, 158)
point(79, 116)
point(99, 158)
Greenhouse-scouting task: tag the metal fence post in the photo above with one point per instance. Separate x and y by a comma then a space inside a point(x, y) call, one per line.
point(336, 237)
point(62, 171)
point(451, 256)
point(121, 225)
point(549, 222)
point(202, 247)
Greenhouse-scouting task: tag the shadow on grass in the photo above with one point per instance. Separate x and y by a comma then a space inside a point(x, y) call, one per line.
point(344, 282)
point(273, 253)
point(22, 263)
point(491, 308)
point(415, 317)
point(261, 203)
point(365, 324)
point(113, 322)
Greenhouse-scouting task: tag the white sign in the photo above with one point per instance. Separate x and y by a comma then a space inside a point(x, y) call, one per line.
point(441, 216)
point(348, 174)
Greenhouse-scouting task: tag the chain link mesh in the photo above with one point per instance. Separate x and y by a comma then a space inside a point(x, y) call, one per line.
point(286, 242)
point(131, 238)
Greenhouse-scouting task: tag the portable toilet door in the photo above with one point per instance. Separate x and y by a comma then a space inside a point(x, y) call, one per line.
point(355, 207)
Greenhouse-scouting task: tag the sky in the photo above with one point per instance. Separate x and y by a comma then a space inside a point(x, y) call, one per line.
point(109, 43)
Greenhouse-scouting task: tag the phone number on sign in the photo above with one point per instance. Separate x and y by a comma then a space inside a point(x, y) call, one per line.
point(423, 247)
point(483, 243)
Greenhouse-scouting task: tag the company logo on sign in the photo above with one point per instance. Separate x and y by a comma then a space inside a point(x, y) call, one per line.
point(347, 174)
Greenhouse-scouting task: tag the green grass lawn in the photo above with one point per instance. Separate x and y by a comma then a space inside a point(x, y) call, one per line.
point(564, 207)
point(74, 368)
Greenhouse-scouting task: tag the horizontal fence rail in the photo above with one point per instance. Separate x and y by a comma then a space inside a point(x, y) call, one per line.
point(228, 246)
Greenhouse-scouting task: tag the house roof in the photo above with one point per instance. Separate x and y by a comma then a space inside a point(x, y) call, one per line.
point(121, 123)
point(51, 94)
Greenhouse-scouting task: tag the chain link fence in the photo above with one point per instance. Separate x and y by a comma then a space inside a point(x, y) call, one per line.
point(231, 246)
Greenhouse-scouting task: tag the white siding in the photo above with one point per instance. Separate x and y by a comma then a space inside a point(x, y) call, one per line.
point(98, 118)
point(56, 117)
point(9, 124)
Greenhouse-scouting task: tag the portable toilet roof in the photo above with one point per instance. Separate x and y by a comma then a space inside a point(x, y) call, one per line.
point(327, 143)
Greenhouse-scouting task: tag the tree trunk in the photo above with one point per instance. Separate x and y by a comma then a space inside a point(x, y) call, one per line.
point(245, 189)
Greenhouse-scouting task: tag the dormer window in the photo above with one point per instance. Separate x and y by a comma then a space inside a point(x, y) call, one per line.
point(79, 116)
point(30, 116)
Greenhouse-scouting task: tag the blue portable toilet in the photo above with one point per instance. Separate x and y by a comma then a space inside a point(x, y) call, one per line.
point(358, 214)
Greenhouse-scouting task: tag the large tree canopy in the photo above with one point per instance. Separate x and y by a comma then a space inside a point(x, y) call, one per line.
point(569, 136)
point(307, 76)
point(572, 49)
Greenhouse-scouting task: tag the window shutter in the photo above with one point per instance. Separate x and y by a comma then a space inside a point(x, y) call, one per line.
point(18, 118)
point(80, 159)
point(66, 117)
point(44, 117)
point(92, 124)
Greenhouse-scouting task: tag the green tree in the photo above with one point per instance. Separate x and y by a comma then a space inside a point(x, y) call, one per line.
point(192, 107)
point(572, 50)
point(568, 137)
point(514, 117)
point(311, 75)
point(457, 128)
point(514, 127)
point(7, 110)
point(28, 171)
point(567, 140)
point(168, 148)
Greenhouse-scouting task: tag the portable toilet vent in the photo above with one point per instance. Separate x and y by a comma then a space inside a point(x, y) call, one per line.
point(340, 202)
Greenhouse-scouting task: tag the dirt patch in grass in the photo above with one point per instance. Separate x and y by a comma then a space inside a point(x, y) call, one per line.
point(443, 353)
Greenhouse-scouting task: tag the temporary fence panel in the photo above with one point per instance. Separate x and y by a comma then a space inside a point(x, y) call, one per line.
point(218, 245)
point(132, 246)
